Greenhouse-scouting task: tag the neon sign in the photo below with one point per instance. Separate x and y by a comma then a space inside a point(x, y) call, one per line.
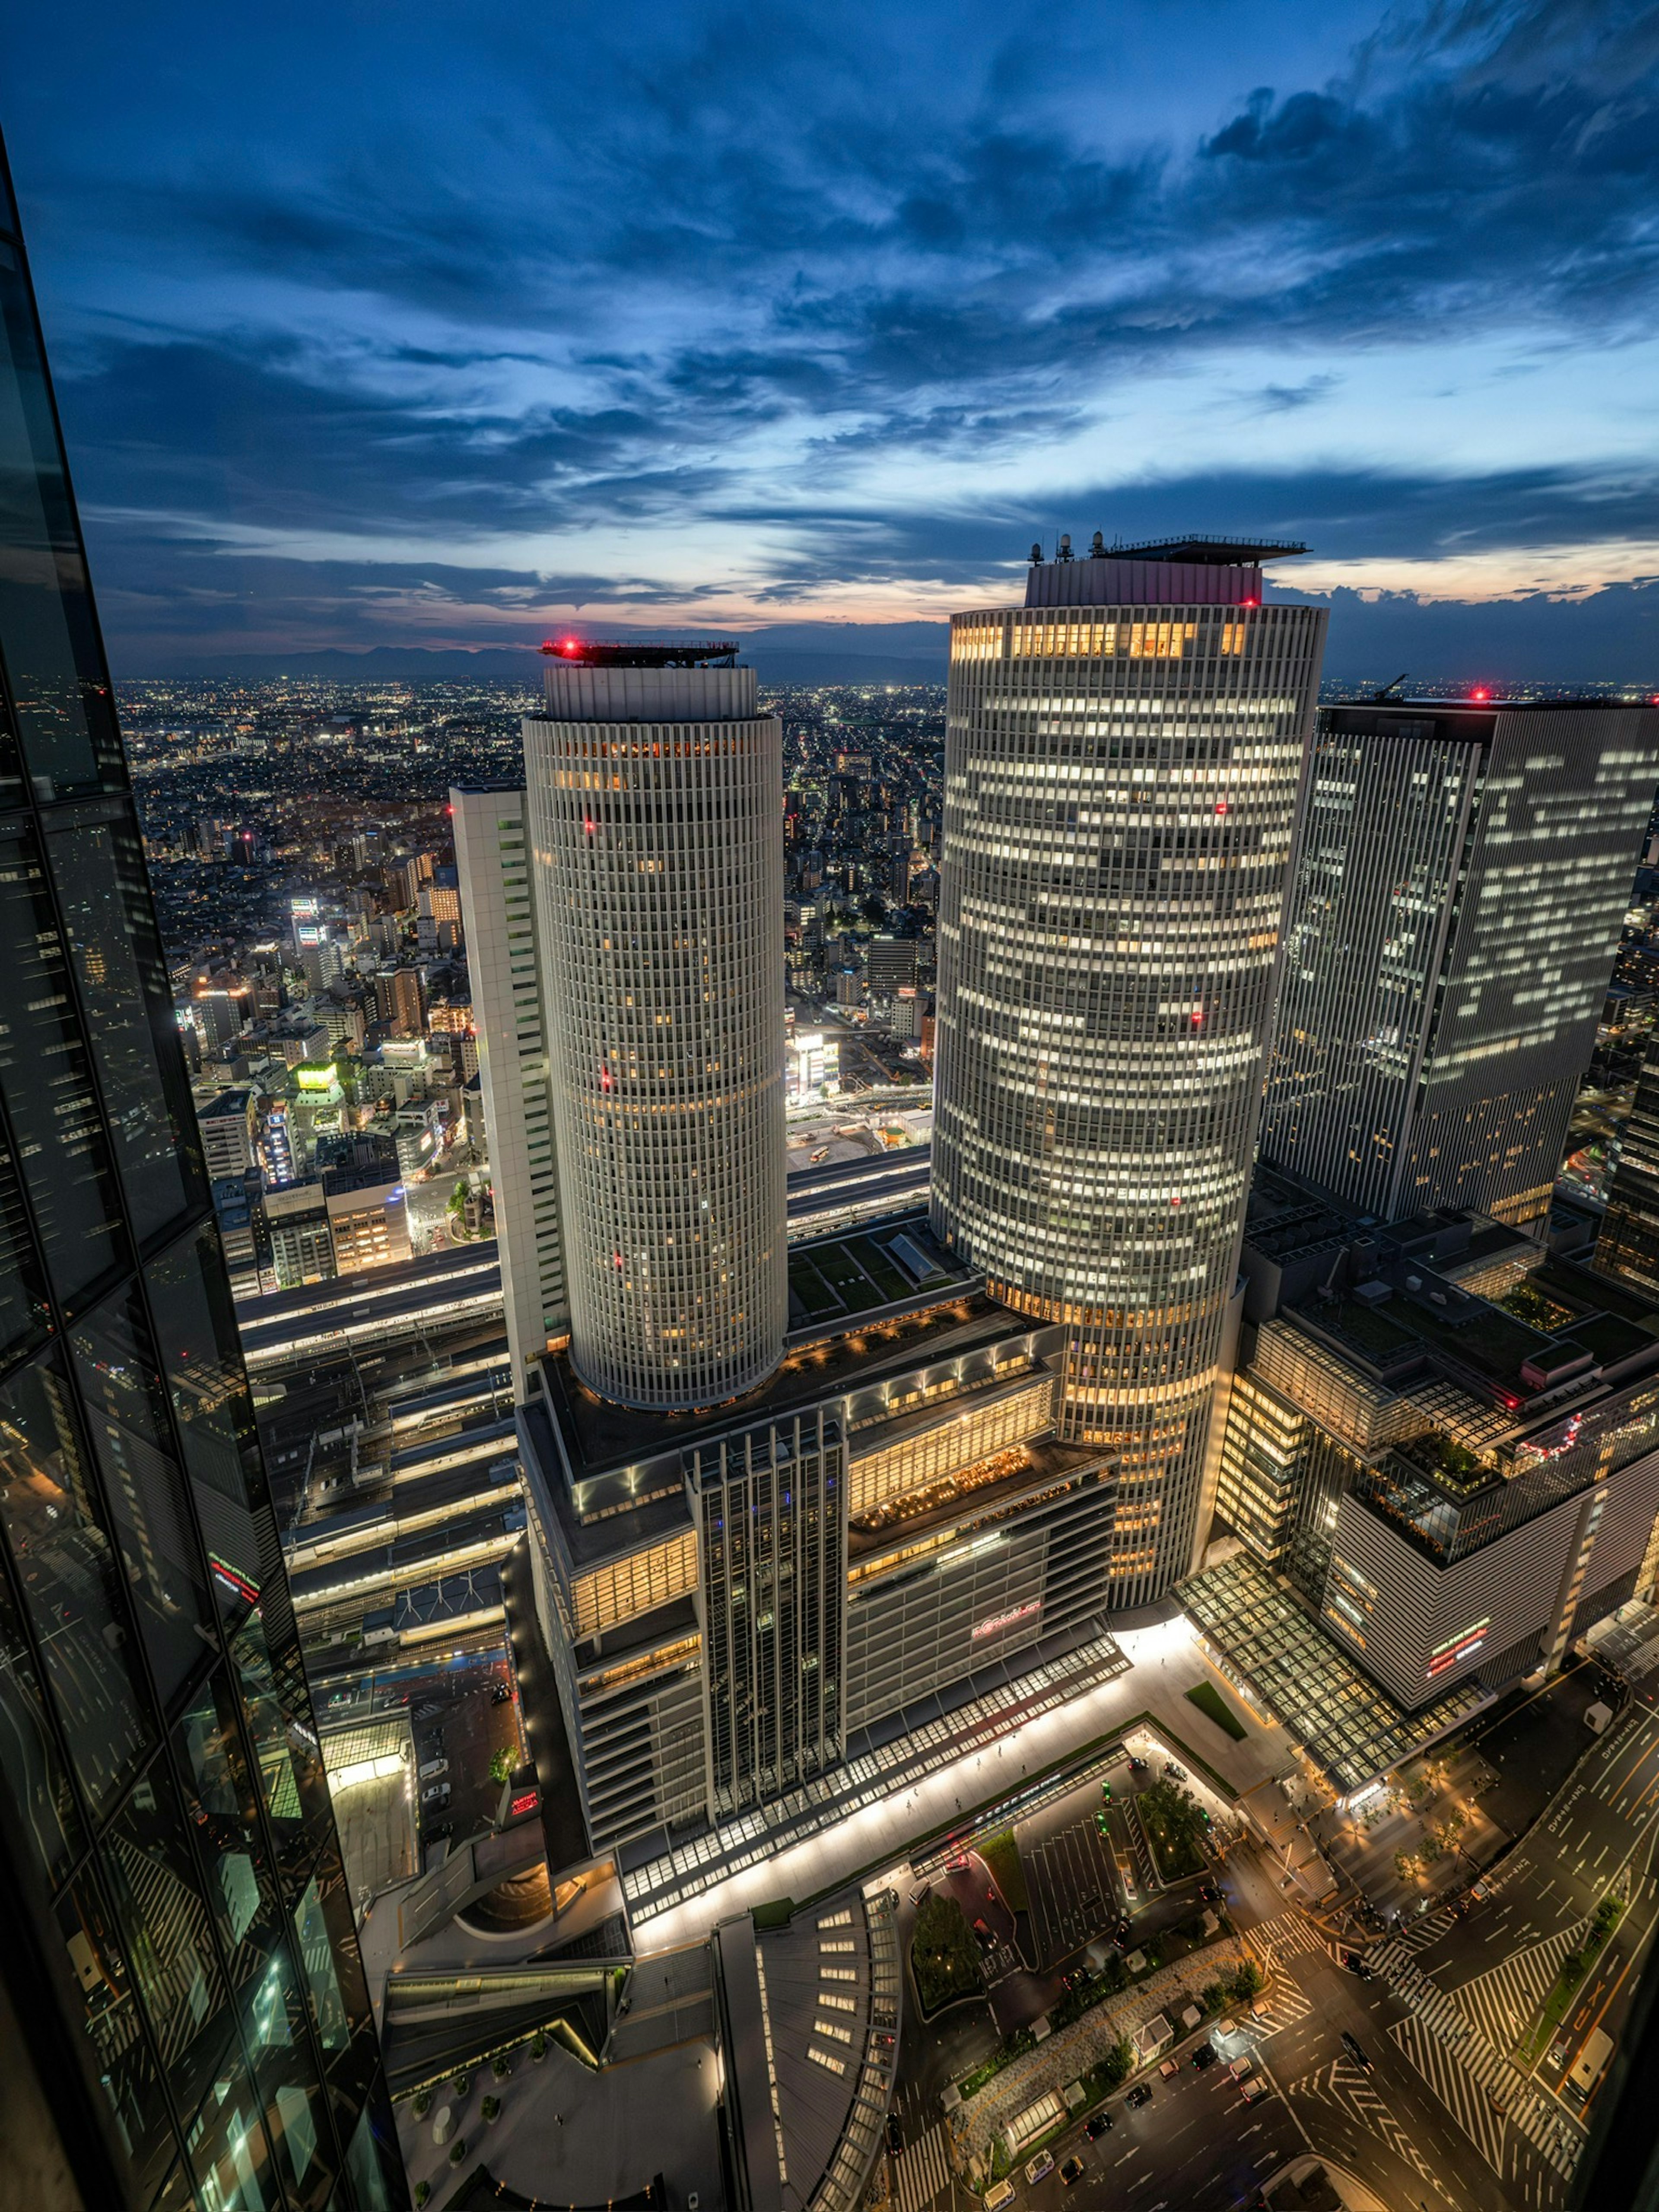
point(999, 1621)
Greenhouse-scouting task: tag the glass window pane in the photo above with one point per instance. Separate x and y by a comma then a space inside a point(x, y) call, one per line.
point(121, 2056)
point(53, 662)
point(197, 1327)
point(312, 1929)
point(124, 1398)
point(291, 1776)
point(70, 1579)
point(370, 2191)
point(104, 899)
point(62, 1153)
point(219, 1805)
point(42, 1804)
point(153, 1879)
point(227, 2147)
point(24, 1315)
point(285, 2068)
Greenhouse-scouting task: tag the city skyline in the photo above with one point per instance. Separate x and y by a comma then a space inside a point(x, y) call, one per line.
point(1342, 279)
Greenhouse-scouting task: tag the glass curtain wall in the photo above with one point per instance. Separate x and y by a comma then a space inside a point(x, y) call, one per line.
point(178, 1938)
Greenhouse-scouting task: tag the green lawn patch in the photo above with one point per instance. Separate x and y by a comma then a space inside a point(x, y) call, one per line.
point(814, 1293)
point(1001, 1854)
point(1173, 1822)
point(944, 1957)
point(1213, 1706)
point(1573, 1969)
point(777, 1914)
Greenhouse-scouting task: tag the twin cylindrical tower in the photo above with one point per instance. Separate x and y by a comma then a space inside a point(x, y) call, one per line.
point(655, 797)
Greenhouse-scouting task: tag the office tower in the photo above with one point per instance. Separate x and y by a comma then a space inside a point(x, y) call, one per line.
point(363, 1181)
point(184, 2018)
point(1456, 1486)
point(1628, 1245)
point(889, 964)
point(1122, 765)
point(400, 1000)
point(229, 1125)
point(654, 790)
point(498, 912)
point(1463, 874)
point(221, 1015)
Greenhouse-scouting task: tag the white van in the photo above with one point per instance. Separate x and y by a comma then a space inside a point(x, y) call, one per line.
point(1001, 2197)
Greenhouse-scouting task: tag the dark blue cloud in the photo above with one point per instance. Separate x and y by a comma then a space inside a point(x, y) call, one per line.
point(457, 281)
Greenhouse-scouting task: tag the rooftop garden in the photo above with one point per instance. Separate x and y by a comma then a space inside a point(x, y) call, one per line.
point(1442, 1456)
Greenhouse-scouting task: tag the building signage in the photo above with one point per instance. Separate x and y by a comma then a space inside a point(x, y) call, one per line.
point(1458, 1648)
point(999, 1621)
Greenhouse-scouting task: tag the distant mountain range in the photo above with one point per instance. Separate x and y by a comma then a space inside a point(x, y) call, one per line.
point(1611, 636)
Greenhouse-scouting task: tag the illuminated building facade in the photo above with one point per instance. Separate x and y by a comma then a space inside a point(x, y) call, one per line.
point(184, 2018)
point(1122, 757)
point(1628, 1245)
point(1461, 881)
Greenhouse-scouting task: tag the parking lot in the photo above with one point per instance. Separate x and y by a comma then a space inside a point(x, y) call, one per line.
point(1072, 1883)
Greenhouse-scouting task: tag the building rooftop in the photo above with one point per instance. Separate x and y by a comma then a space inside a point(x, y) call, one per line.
point(1208, 550)
point(632, 653)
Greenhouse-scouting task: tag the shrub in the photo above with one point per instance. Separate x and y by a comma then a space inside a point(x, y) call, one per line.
point(463, 2085)
point(501, 1765)
point(500, 2066)
point(539, 2046)
point(457, 2150)
point(422, 2191)
point(491, 2108)
point(943, 1953)
point(422, 2103)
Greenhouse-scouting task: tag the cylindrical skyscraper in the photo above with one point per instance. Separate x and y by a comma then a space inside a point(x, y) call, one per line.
point(655, 799)
point(1122, 764)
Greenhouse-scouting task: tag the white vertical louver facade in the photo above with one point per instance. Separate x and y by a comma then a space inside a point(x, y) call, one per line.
point(498, 916)
point(655, 801)
point(1120, 794)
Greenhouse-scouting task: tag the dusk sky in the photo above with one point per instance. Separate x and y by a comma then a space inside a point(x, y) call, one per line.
point(446, 323)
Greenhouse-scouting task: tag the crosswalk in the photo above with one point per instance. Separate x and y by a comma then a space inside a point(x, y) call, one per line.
point(1475, 2084)
point(1503, 2001)
point(1282, 2008)
point(1286, 1935)
point(1417, 1937)
point(1348, 2088)
point(922, 2170)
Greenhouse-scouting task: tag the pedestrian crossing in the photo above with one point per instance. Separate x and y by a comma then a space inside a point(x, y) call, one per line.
point(1503, 2001)
point(1286, 1935)
point(1417, 1937)
point(1281, 2009)
point(922, 2170)
point(1475, 2084)
point(1348, 2088)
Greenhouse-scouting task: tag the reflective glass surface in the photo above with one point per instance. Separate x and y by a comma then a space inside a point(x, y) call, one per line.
point(121, 2058)
point(65, 713)
point(285, 2068)
point(223, 1817)
point(228, 2147)
point(42, 1808)
point(24, 1316)
point(197, 1329)
point(121, 1387)
point(70, 1579)
point(46, 1080)
point(152, 1877)
point(98, 870)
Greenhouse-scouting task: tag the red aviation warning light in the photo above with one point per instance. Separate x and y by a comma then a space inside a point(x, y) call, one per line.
point(1480, 693)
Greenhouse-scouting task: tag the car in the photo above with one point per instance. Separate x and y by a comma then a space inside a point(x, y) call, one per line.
point(1001, 2197)
point(501, 1694)
point(1137, 1765)
point(983, 1934)
point(1101, 1828)
point(1241, 2067)
point(1226, 2027)
point(1210, 1891)
point(1173, 1772)
point(1038, 2169)
point(1204, 2056)
point(922, 1893)
point(1140, 2095)
point(1253, 2089)
point(438, 1794)
point(1358, 1967)
point(1098, 2126)
point(894, 2136)
point(1559, 2051)
point(1121, 1935)
point(434, 1768)
point(1167, 2066)
point(1072, 2170)
point(1077, 1979)
point(1354, 2048)
point(1106, 1791)
point(958, 1864)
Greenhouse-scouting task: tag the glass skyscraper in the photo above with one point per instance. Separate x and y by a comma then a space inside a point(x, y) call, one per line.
point(184, 2019)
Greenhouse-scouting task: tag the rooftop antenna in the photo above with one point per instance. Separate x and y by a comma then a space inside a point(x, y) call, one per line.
point(1064, 552)
point(1098, 550)
point(1036, 552)
point(1379, 696)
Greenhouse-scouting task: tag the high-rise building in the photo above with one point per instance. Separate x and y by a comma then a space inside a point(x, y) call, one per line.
point(1462, 877)
point(400, 1000)
point(1629, 1242)
point(184, 2019)
point(654, 787)
point(1122, 757)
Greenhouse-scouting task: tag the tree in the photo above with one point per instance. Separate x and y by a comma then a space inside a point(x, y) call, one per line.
point(501, 1765)
point(943, 1953)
